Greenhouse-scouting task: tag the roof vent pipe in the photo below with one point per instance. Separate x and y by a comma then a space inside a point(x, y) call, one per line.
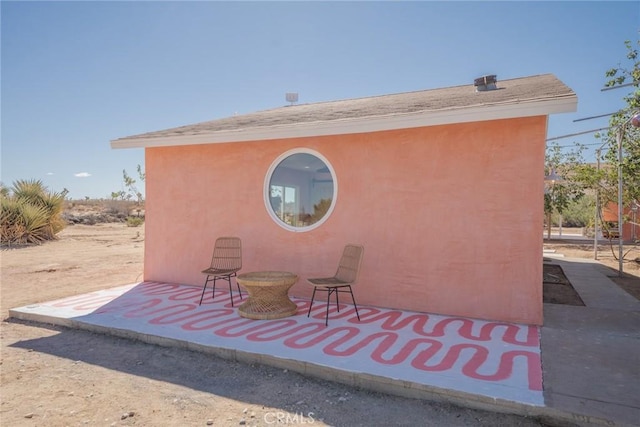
point(485, 83)
point(291, 97)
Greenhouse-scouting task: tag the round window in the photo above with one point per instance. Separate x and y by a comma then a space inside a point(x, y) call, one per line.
point(300, 190)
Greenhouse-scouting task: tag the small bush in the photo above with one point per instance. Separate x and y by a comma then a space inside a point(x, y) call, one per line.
point(122, 207)
point(30, 213)
point(134, 221)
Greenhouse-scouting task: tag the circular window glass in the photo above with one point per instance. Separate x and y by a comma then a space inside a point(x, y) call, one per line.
point(300, 190)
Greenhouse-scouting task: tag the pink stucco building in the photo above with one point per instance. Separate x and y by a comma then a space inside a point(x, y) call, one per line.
point(443, 188)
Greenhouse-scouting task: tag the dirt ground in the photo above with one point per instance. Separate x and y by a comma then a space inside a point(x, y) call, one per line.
point(56, 376)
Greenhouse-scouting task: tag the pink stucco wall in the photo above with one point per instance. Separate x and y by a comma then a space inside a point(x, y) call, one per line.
point(450, 216)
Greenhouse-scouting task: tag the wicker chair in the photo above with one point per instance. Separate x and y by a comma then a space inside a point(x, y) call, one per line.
point(346, 275)
point(225, 263)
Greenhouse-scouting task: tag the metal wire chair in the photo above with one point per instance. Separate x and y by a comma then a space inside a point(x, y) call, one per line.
point(225, 263)
point(346, 275)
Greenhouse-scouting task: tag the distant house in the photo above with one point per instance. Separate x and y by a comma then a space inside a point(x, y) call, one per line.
point(630, 226)
point(443, 188)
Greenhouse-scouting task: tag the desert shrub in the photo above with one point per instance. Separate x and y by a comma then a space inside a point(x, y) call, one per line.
point(579, 213)
point(97, 211)
point(134, 221)
point(30, 213)
point(11, 227)
point(119, 207)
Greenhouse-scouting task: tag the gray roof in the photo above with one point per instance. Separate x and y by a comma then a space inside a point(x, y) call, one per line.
point(545, 90)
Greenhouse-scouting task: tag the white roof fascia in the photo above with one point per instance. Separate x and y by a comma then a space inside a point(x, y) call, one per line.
point(360, 125)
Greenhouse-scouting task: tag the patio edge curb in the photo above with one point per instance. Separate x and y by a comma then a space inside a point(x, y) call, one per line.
point(374, 383)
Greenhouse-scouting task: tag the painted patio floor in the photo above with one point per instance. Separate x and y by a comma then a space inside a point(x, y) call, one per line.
point(491, 361)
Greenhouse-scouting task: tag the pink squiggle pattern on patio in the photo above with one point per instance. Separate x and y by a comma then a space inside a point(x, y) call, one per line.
point(163, 304)
point(386, 341)
point(394, 320)
point(479, 358)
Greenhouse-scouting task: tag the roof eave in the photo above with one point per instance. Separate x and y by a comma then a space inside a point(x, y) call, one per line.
point(543, 107)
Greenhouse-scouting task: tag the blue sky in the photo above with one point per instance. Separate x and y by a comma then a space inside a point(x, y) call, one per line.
point(76, 75)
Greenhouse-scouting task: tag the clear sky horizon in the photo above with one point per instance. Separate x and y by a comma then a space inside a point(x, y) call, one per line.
point(76, 75)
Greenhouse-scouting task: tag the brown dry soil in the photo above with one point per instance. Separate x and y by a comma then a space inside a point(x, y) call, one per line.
point(55, 376)
point(557, 289)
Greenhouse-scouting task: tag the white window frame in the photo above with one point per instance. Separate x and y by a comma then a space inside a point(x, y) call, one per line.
point(267, 190)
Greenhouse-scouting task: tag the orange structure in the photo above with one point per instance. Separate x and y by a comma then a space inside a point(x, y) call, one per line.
point(630, 228)
point(442, 187)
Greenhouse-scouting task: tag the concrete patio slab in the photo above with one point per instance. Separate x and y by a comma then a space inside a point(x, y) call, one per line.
point(477, 363)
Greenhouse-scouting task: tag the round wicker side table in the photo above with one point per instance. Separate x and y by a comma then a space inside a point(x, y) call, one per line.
point(268, 294)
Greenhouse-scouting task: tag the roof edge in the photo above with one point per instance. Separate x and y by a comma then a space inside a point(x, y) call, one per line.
point(476, 113)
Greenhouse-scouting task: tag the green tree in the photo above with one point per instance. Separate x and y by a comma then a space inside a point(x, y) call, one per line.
point(118, 195)
point(579, 213)
point(621, 129)
point(564, 183)
point(131, 188)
